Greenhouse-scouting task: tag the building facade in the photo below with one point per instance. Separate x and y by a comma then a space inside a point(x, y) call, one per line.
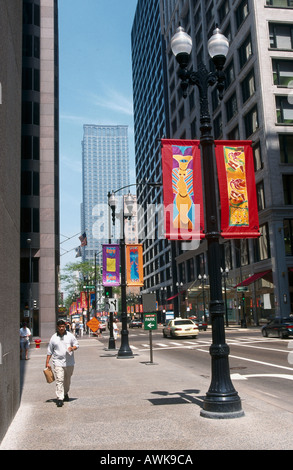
point(151, 124)
point(40, 167)
point(104, 152)
point(257, 106)
point(10, 168)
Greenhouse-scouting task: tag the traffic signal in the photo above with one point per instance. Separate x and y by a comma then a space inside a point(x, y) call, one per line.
point(108, 292)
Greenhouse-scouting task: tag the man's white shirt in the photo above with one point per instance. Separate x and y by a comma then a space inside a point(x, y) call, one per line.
point(58, 349)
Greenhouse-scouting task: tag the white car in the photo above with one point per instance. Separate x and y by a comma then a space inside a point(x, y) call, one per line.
point(180, 327)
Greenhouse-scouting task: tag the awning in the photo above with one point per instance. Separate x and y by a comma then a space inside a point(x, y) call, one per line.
point(252, 278)
point(173, 296)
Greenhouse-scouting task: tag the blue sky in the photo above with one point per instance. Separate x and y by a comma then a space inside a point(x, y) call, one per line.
point(95, 88)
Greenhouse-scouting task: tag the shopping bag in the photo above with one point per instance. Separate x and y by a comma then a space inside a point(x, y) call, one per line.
point(49, 375)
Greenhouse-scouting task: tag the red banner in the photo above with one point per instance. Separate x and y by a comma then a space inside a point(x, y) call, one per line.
point(239, 213)
point(182, 189)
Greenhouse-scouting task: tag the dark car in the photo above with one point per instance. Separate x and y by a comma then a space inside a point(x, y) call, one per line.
point(135, 324)
point(202, 324)
point(281, 327)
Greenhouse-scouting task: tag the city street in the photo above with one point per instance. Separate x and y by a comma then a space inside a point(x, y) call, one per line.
point(135, 404)
point(261, 364)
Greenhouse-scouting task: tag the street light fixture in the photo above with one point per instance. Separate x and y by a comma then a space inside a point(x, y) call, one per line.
point(221, 400)
point(125, 350)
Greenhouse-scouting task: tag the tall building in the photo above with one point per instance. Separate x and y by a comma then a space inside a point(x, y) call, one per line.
point(257, 106)
point(151, 123)
point(40, 167)
point(105, 168)
point(10, 144)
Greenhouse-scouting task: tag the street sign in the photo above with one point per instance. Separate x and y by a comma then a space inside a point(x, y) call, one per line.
point(111, 305)
point(150, 321)
point(242, 289)
point(149, 302)
point(93, 324)
point(89, 287)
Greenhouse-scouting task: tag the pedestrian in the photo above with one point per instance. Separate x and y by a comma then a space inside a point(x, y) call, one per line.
point(73, 327)
point(24, 334)
point(81, 329)
point(77, 326)
point(115, 331)
point(60, 348)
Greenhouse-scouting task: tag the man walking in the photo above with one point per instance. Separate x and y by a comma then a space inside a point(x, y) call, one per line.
point(60, 348)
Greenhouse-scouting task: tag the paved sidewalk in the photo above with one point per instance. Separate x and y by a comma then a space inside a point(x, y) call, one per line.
point(129, 404)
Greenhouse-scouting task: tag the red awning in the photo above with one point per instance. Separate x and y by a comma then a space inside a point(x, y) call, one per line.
point(252, 278)
point(173, 297)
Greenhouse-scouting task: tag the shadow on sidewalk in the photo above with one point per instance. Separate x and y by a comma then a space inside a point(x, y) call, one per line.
point(176, 398)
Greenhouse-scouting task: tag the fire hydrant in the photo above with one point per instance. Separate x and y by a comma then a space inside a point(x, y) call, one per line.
point(38, 342)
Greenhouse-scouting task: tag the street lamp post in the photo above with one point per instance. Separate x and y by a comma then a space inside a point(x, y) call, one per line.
point(202, 280)
point(221, 400)
point(125, 350)
point(225, 275)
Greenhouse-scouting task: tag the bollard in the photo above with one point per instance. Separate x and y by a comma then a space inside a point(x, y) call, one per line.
point(38, 342)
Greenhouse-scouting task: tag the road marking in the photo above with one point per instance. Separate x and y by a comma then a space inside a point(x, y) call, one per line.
point(246, 377)
point(162, 345)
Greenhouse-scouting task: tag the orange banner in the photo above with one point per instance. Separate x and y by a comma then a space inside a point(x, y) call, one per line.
point(239, 212)
point(134, 265)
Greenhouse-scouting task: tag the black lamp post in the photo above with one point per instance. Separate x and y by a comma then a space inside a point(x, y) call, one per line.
point(221, 400)
point(225, 275)
point(125, 350)
point(202, 280)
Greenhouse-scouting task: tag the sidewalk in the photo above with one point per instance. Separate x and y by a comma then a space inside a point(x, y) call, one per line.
point(128, 404)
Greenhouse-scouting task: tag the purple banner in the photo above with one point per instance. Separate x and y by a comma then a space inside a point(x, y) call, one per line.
point(111, 265)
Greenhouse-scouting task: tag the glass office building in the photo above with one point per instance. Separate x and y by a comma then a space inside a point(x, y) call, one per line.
point(105, 168)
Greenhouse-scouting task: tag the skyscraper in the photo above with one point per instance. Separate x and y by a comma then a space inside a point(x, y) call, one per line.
point(105, 168)
point(257, 105)
point(40, 166)
point(150, 103)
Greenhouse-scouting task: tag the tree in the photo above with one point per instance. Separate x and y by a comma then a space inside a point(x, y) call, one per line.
point(74, 276)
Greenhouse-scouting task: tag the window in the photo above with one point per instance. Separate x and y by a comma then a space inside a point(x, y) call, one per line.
point(251, 121)
point(283, 72)
point(284, 110)
point(218, 123)
point(261, 245)
point(280, 3)
point(245, 51)
point(288, 189)
point(241, 13)
point(288, 236)
point(223, 11)
point(231, 107)
point(260, 196)
point(286, 148)
point(258, 163)
point(281, 36)
point(248, 86)
point(241, 252)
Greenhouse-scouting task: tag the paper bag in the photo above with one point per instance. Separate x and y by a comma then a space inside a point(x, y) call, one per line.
point(49, 375)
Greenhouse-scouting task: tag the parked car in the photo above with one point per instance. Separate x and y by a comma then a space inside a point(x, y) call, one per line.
point(135, 323)
point(202, 325)
point(281, 327)
point(180, 327)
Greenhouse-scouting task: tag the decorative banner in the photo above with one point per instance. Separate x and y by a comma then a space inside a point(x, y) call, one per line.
point(134, 265)
point(83, 299)
point(111, 264)
point(239, 213)
point(182, 189)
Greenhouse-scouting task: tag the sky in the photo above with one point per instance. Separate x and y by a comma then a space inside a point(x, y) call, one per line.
point(95, 80)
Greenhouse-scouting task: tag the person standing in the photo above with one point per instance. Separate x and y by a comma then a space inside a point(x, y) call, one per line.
point(24, 334)
point(60, 348)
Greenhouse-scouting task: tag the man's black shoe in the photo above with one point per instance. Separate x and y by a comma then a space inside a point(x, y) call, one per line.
point(66, 398)
point(59, 403)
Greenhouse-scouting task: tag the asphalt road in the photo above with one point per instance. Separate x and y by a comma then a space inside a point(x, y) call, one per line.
point(263, 365)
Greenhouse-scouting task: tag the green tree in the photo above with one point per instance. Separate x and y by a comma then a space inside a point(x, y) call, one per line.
point(75, 276)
